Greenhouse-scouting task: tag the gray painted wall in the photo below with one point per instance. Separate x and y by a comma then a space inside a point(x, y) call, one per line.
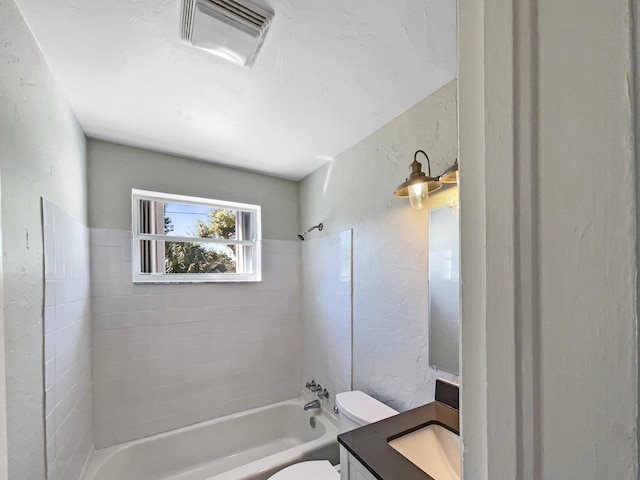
point(115, 169)
point(225, 347)
point(355, 190)
point(42, 154)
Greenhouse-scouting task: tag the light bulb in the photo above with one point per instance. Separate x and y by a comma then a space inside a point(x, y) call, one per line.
point(418, 193)
point(455, 207)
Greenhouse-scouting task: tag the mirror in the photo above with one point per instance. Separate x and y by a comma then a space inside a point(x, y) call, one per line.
point(444, 289)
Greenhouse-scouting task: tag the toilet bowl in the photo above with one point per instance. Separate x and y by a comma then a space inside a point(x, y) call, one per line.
point(355, 409)
point(311, 470)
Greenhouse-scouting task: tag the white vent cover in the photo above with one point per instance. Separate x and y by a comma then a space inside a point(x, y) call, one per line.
point(231, 29)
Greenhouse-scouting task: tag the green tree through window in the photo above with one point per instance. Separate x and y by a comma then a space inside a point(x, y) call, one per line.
point(192, 257)
point(220, 224)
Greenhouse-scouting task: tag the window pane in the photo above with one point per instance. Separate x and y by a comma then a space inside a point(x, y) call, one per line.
point(199, 221)
point(194, 257)
point(246, 225)
point(245, 259)
point(145, 256)
point(152, 256)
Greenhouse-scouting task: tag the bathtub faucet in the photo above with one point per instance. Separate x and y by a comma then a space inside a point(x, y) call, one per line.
point(312, 404)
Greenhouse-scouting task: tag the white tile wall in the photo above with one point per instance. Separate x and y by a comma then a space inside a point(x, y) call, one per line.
point(327, 293)
point(165, 356)
point(67, 356)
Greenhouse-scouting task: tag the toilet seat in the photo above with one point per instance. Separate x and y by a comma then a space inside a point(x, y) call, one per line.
point(311, 470)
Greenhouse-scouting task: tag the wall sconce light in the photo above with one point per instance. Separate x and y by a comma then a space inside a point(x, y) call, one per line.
point(450, 175)
point(417, 186)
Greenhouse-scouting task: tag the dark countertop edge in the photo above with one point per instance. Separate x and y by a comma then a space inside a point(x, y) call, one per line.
point(369, 444)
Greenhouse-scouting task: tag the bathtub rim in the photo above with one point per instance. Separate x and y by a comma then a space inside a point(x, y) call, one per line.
point(100, 457)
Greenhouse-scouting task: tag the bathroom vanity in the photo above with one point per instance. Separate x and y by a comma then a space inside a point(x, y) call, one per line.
point(406, 446)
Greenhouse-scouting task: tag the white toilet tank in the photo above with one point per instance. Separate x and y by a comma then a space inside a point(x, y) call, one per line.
point(356, 409)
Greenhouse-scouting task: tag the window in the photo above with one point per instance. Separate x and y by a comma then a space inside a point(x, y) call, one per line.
point(188, 239)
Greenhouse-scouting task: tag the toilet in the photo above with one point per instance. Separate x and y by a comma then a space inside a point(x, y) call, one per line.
point(355, 409)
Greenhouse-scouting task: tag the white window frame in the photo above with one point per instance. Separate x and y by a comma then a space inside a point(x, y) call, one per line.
point(255, 243)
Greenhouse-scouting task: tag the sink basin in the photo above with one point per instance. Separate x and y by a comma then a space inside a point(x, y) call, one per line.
point(433, 449)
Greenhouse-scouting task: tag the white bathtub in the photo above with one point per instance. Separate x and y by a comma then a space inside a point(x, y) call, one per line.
point(249, 445)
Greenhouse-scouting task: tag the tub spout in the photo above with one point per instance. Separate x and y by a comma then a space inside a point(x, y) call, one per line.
point(312, 404)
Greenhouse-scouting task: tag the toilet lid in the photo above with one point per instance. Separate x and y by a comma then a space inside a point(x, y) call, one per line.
point(312, 470)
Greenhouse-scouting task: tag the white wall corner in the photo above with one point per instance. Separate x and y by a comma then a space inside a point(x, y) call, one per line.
point(4, 467)
point(548, 314)
point(634, 83)
point(487, 238)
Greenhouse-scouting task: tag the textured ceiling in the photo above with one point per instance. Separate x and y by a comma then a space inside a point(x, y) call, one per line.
point(329, 74)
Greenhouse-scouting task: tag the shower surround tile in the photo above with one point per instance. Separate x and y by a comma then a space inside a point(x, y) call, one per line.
point(67, 344)
point(166, 356)
point(327, 307)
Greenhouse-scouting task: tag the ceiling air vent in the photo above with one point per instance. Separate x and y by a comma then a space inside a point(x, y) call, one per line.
point(231, 29)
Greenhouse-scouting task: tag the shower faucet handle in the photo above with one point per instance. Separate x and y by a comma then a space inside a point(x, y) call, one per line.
point(317, 388)
point(324, 393)
point(310, 385)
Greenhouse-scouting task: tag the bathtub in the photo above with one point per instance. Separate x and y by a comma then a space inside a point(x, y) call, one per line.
point(249, 445)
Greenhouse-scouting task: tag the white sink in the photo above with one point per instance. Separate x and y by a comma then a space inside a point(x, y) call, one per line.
point(433, 449)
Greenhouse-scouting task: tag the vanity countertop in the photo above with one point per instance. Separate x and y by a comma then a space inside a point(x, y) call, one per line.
point(369, 444)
